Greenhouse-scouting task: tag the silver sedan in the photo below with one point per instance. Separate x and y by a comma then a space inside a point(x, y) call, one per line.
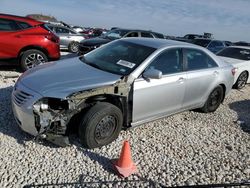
point(69, 39)
point(121, 84)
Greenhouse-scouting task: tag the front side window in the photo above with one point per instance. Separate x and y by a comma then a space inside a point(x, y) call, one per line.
point(196, 60)
point(119, 57)
point(8, 25)
point(168, 62)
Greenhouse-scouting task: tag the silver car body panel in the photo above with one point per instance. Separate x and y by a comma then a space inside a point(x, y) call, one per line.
point(74, 81)
point(240, 65)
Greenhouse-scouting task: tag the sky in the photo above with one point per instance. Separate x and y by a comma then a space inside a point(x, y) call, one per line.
point(226, 19)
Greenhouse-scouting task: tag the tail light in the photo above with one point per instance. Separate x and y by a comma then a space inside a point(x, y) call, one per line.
point(234, 70)
point(52, 38)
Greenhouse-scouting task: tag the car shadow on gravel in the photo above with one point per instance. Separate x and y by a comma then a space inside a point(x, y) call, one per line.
point(242, 108)
point(8, 125)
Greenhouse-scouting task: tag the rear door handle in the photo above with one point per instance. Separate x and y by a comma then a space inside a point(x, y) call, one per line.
point(18, 36)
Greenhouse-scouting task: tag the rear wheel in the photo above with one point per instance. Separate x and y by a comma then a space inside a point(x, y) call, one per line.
point(74, 47)
point(214, 100)
point(32, 58)
point(241, 81)
point(101, 125)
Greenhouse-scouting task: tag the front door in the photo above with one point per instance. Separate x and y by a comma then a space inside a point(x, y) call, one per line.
point(154, 98)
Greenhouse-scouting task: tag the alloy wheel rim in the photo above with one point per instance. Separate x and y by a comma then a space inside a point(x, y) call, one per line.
point(74, 47)
point(33, 60)
point(105, 128)
point(215, 98)
point(242, 80)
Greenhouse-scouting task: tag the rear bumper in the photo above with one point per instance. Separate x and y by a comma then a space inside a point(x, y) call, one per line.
point(54, 51)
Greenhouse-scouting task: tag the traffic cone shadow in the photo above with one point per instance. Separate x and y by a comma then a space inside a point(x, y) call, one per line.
point(125, 165)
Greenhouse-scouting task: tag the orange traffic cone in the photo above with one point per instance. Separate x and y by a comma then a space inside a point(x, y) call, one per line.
point(125, 165)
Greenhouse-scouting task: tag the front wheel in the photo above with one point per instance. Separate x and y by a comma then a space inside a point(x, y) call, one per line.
point(214, 100)
point(241, 81)
point(100, 125)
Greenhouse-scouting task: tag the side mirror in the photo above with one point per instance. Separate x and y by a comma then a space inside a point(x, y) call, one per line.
point(152, 73)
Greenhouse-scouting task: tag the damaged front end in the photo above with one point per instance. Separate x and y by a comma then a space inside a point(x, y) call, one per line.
point(52, 115)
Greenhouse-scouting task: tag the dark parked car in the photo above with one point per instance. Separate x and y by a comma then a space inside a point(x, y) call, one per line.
point(91, 44)
point(212, 45)
point(26, 40)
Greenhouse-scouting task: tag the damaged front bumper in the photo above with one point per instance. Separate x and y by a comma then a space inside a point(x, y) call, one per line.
point(23, 100)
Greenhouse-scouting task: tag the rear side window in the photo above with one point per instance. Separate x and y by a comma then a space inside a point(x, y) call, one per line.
point(8, 25)
point(133, 34)
point(158, 35)
point(196, 60)
point(23, 25)
point(147, 35)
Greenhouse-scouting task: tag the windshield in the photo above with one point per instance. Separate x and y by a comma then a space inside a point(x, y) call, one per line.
point(236, 53)
point(202, 42)
point(114, 34)
point(119, 57)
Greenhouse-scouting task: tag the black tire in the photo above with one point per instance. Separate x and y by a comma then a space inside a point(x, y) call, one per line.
point(100, 125)
point(241, 81)
point(32, 58)
point(73, 47)
point(214, 100)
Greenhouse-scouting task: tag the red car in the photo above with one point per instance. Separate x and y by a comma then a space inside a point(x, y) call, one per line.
point(27, 40)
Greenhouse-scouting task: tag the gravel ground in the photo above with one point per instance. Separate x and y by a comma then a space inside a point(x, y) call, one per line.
point(185, 149)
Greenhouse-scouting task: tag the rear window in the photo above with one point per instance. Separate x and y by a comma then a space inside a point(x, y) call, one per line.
point(202, 42)
point(236, 53)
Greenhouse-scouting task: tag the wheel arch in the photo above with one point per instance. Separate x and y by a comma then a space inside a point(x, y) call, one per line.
point(224, 91)
point(118, 101)
point(32, 47)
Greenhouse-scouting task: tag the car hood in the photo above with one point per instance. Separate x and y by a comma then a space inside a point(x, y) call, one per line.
point(61, 78)
point(231, 60)
point(97, 41)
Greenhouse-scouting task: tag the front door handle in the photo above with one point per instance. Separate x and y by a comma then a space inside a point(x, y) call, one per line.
point(216, 73)
point(181, 80)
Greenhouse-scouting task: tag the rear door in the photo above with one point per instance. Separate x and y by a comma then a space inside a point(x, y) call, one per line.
point(8, 39)
point(202, 73)
point(159, 97)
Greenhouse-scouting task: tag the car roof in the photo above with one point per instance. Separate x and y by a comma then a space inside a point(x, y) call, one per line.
point(20, 18)
point(156, 43)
